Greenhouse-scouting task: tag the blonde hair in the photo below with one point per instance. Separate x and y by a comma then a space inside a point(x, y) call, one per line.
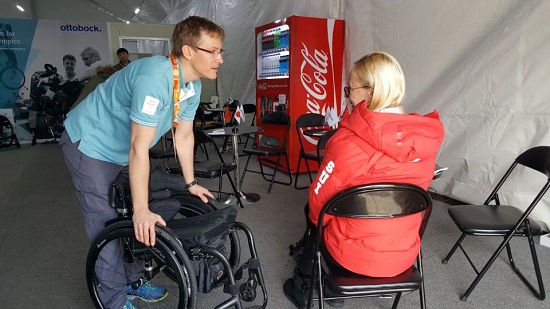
point(381, 72)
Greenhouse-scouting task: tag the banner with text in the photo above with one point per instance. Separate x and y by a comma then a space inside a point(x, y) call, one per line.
point(43, 67)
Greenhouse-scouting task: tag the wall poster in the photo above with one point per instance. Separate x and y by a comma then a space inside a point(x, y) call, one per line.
point(43, 66)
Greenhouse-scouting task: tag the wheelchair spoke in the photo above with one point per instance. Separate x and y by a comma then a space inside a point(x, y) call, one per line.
point(110, 283)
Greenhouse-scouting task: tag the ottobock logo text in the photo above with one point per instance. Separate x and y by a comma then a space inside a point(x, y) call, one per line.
point(325, 174)
point(79, 28)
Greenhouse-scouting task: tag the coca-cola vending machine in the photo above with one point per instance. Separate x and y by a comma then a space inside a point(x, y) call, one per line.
point(299, 64)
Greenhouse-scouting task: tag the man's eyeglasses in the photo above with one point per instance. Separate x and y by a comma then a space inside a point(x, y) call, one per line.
point(348, 90)
point(214, 53)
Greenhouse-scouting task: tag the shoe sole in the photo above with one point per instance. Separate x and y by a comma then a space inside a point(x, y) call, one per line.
point(132, 297)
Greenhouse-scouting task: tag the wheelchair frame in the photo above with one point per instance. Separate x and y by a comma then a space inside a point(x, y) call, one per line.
point(171, 260)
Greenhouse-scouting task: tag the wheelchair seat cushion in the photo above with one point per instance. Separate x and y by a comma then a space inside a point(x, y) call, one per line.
point(202, 229)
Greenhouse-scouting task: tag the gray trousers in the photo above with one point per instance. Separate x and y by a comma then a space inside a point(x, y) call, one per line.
point(92, 179)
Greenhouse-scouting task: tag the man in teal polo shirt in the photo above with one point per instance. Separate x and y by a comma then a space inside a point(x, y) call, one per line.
point(112, 130)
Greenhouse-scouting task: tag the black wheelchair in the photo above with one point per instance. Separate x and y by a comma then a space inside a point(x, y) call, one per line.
point(197, 251)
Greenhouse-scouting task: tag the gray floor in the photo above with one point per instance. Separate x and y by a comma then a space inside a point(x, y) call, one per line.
point(43, 247)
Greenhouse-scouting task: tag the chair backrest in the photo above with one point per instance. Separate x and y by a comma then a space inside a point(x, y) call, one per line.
point(201, 137)
point(278, 118)
point(310, 120)
point(234, 104)
point(249, 108)
point(379, 200)
point(322, 143)
point(537, 158)
point(200, 117)
point(272, 141)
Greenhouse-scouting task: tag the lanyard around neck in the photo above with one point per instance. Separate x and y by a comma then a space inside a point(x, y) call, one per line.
point(176, 79)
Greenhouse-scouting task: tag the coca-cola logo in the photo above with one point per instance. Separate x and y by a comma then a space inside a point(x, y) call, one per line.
point(262, 86)
point(314, 82)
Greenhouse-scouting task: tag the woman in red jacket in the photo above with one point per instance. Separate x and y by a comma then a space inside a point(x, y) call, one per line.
point(378, 142)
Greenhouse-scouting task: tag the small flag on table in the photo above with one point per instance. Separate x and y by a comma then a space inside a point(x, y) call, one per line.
point(239, 114)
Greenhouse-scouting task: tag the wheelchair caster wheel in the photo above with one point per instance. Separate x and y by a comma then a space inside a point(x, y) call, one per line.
point(248, 291)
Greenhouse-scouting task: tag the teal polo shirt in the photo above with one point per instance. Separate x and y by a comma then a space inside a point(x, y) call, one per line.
point(142, 93)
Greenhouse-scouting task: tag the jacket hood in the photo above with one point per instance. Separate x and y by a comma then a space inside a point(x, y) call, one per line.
point(403, 137)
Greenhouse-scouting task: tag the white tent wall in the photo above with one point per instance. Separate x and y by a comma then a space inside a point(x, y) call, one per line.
point(481, 64)
point(239, 18)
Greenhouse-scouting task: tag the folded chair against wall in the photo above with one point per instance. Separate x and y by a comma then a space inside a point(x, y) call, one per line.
point(505, 221)
point(371, 202)
point(305, 122)
point(271, 148)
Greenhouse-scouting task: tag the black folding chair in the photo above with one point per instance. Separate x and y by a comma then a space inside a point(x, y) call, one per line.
point(250, 112)
point(215, 167)
point(202, 123)
point(371, 202)
point(271, 146)
point(505, 221)
point(322, 145)
point(304, 122)
point(164, 153)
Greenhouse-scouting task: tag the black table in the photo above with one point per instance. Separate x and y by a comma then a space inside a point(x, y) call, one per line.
point(234, 133)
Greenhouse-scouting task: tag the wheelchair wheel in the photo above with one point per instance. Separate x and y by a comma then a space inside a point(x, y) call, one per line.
point(193, 206)
point(164, 265)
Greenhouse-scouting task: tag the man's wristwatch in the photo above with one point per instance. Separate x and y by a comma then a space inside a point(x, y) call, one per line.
point(192, 183)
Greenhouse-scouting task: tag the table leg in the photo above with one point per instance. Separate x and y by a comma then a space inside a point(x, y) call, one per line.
point(246, 198)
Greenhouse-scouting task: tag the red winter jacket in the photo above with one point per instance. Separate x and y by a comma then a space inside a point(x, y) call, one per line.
point(372, 147)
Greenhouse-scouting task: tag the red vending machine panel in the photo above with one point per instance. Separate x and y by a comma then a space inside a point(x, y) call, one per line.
point(299, 63)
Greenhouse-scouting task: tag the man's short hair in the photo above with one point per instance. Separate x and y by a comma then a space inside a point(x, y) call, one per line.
point(121, 50)
point(189, 31)
point(70, 57)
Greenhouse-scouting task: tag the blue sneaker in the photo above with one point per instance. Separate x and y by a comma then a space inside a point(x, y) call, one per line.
point(128, 304)
point(147, 292)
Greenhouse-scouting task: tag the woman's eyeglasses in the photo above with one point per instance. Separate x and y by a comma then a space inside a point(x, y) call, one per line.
point(348, 90)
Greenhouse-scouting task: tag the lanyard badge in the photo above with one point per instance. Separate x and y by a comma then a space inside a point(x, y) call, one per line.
point(180, 94)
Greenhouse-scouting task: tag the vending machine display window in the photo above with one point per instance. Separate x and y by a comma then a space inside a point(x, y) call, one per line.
point(273, 52)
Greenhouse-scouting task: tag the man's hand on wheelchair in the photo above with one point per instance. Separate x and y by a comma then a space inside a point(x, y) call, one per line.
point(144, 226)
point(201, 192)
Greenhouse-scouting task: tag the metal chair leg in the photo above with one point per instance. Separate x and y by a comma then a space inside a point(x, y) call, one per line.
point(446, 259)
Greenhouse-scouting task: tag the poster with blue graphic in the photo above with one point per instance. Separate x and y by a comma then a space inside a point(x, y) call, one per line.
point(44, 65)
